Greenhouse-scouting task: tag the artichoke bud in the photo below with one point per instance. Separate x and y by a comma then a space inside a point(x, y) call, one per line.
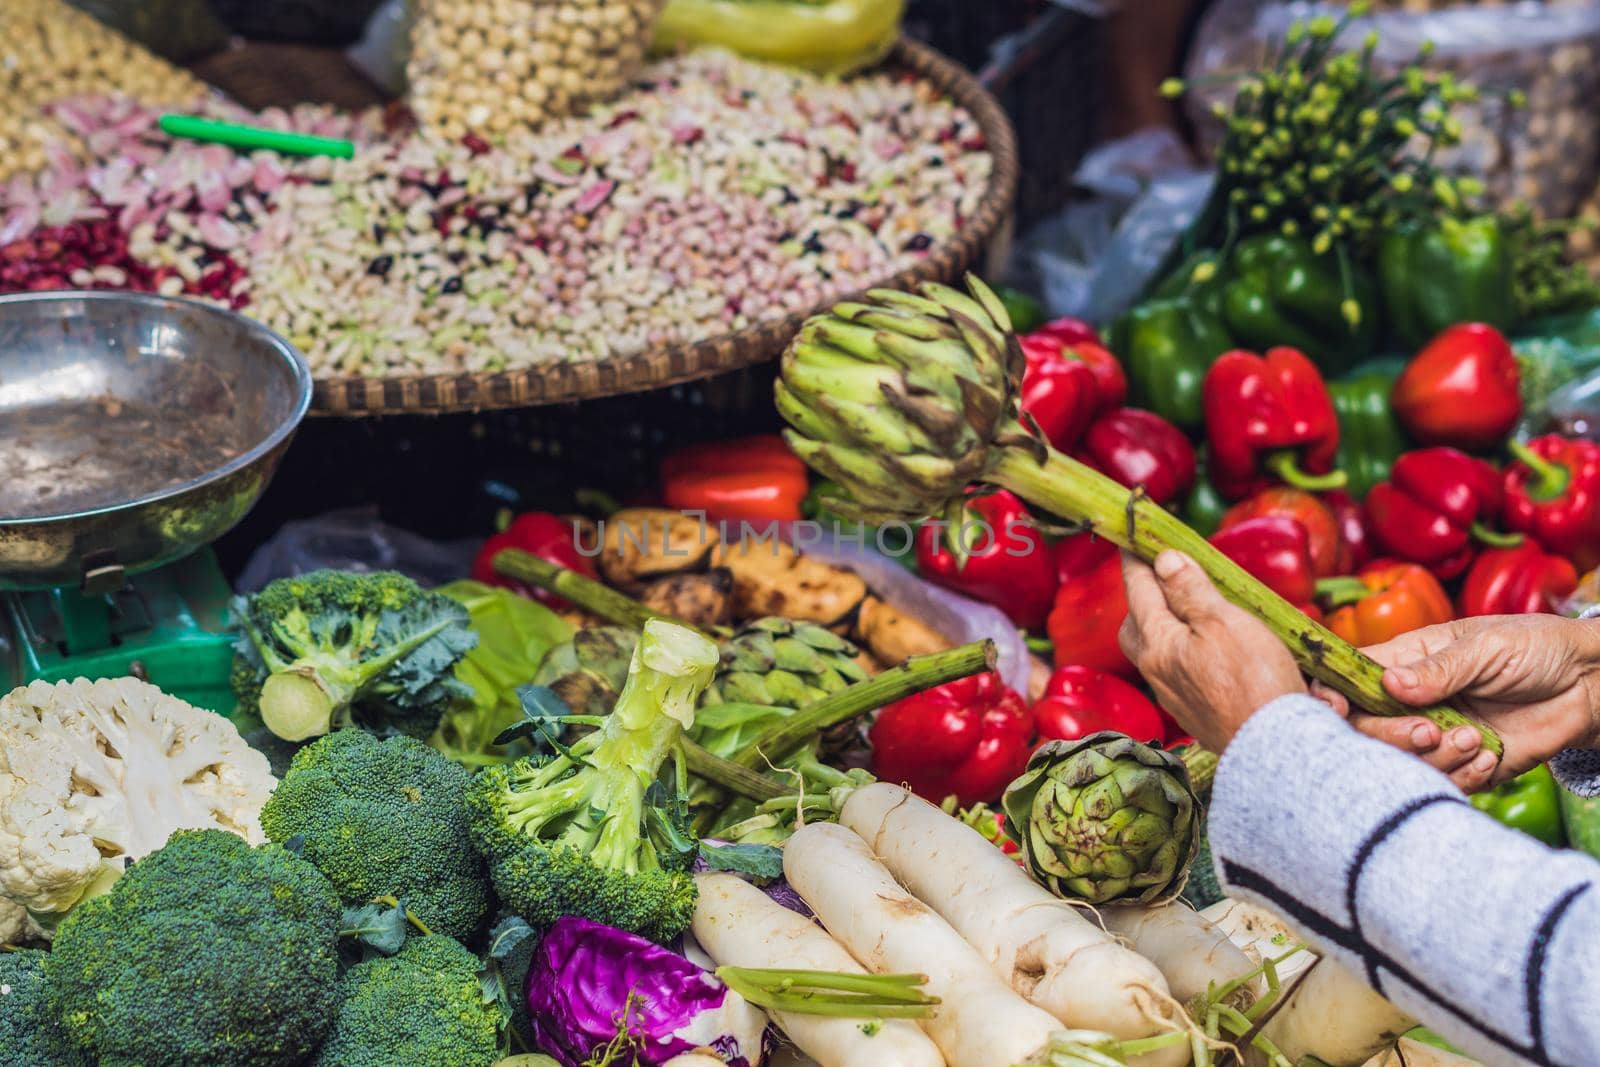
point(1105, 818)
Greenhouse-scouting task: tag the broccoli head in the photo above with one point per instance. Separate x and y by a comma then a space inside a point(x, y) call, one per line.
point(423, 1005)
point(384, 818)
point(585, 832)
point(205, 951)
point(30, 1033)
point(330, 648)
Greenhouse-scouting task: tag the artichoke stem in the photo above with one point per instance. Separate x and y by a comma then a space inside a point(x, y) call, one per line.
point(731, 776)
point(1073, 491)
point(586, 593)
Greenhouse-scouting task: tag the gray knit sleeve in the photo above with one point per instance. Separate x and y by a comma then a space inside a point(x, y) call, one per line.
point(1480, 931)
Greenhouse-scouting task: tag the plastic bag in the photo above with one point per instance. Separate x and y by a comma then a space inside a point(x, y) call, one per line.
point(355, 540)
point(1092, 259)
point(385, 46)
point(958, 618)
point(1545, 153)
point(1560, 362)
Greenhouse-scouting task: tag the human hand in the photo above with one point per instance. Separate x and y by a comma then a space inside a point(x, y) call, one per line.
point(1211, 663)
point(1534, 678)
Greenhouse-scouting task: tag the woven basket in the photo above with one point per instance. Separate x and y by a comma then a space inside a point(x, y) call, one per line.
point(259, 85)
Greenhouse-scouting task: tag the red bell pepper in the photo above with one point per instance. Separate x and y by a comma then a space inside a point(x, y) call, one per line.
point(1384, 601)
point(746, 478)
point(538, 533)
point(1553, 495)
point(1069, 379)
point(1525, 580)
point(1322, 527)
point(1090, 606)
point(1007, 562)
point(966, 739)
point(1137, 447)
point(1434, 508)
point(1059, 393)
point(1080, 700)
point(1463, 389)
point(1277, 551)
point(1355, 540)
point(1269, 416)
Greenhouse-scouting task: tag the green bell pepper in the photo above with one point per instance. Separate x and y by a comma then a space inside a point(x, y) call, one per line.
point(895, 544)
point(1457, 270)
point(1370, 437)
point(1026, 313)
point(1580, 818)
point(1204, 508)
point(1169, 341)
point(822, 36)
point(1280, 292)
point(1530, 802)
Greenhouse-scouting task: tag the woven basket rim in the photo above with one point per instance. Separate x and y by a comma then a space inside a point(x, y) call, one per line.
point(556, 383)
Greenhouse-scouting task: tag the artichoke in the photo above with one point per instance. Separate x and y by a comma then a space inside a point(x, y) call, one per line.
point(1105, 818)
point(899, 399)
point(904, 400)
point(780, 662)
point(589, 671)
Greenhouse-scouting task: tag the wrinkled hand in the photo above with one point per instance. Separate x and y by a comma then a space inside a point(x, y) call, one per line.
point(1534, 678)
point(1211, 663)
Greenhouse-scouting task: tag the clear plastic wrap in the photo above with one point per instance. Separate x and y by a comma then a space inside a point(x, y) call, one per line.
point(1545, 153)
point(1091, 259)
point(355, 539)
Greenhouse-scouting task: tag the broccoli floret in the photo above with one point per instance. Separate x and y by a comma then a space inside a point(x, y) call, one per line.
point(330, 649)
point(205, 951)
point(423, 1005)
point(30, 1033)
point(583, 832)
point(384, 818)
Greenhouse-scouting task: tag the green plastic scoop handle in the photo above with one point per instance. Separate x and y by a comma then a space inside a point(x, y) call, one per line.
point(248, 137)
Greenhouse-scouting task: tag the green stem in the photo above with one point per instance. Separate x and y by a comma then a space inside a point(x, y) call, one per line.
point(1286, 465)
point(1494, 538)
point(911, 677)
point(1337, 592)
point(586, 593)
point(392, 902)
point(832, 993)
point(731, 776)
point(1074, 491)
point(1549, 479)
point(1201, 763)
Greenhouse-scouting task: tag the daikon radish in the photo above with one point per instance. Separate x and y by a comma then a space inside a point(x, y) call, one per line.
point(1409, 1053)
point(1329, 1012)
point(979, 1022)
point(738, 925)
point(1191, 953)
point(694, 1059)
point(1042, 946)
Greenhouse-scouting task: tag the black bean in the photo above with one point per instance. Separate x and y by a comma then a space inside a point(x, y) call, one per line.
point(452, 285)
point(380, 266)
point(919, 242)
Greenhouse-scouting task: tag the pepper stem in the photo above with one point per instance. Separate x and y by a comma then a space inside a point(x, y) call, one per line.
point(1067, 488)
point(1494, 538)
point(1337, 592)
point(1286, 465)
point(1549, 479)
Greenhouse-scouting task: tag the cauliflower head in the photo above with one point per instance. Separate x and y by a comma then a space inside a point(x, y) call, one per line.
point(94, 773)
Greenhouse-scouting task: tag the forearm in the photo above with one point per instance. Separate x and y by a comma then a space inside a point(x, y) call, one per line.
point(1480, 931)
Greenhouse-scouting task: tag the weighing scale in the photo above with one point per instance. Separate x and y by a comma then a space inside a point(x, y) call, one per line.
point(134, 431)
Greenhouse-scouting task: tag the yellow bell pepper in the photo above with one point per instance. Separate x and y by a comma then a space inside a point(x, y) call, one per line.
point(823, 36)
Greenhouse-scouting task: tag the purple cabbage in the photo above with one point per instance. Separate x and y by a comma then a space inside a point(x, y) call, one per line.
point(587, 977)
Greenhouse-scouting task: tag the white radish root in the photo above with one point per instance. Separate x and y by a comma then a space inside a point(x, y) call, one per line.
point(694, 1059)
point(1330, 1012)
point(979, 1022)
point(1191, 953)
point(1042, 946)
point(738, 925)
point(1409, 1053)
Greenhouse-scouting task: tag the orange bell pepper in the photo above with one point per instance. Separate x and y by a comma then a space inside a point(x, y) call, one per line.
point(746, 478)
point(1385, 600)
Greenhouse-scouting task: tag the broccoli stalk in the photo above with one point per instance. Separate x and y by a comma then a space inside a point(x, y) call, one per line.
point(584, 832)
point(330, 648)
